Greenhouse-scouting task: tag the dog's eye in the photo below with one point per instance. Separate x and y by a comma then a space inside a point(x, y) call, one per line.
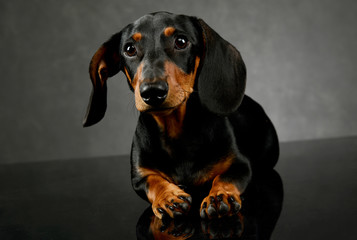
point(181, 42)
point(130, 50)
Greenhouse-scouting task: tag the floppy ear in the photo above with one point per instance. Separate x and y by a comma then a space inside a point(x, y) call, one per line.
point(221, 82)
point(105, 63)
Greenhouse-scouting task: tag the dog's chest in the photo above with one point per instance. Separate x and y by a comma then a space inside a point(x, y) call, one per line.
point(197, 154)
point(187, 160)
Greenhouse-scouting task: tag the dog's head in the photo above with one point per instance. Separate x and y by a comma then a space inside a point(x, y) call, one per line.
point(165, 58)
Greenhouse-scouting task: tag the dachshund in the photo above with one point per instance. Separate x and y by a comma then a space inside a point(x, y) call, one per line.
point(199, 138)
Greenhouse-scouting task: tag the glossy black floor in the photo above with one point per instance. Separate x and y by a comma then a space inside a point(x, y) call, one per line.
point(315, 185)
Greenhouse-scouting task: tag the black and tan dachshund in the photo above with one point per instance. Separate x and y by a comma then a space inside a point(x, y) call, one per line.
point(198, 139)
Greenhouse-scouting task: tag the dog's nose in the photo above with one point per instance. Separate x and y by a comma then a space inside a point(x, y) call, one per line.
point(154, 93)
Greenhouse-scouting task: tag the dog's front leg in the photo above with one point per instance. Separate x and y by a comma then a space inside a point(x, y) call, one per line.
point(224, 198)
point(166, 197)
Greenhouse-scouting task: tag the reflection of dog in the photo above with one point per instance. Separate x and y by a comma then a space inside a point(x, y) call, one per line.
point(197, 132)
point(180, 229)
point(218, 228)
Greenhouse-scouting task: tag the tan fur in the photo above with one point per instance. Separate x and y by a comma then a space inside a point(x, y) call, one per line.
point(137, 37)
point(169, 31)
point(161, 191)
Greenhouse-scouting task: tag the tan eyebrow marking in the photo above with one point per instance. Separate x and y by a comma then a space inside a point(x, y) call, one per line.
point(169, 31)
point(137, 37)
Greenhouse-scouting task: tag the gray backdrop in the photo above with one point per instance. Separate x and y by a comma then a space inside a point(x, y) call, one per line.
point(300, 55)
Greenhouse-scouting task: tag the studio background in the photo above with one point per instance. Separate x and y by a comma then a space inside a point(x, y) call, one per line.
point(300, 57)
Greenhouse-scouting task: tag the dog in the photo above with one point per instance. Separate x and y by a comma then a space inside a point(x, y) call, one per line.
point(199, 138)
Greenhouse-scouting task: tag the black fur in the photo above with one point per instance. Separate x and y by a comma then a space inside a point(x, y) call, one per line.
point(221, 83)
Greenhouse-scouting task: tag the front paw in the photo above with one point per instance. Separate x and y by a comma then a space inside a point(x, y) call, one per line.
point(220, 203)
point(172, 201)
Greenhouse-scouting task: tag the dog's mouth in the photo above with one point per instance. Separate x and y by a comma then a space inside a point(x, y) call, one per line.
point(158, 110)
point(164, 110)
